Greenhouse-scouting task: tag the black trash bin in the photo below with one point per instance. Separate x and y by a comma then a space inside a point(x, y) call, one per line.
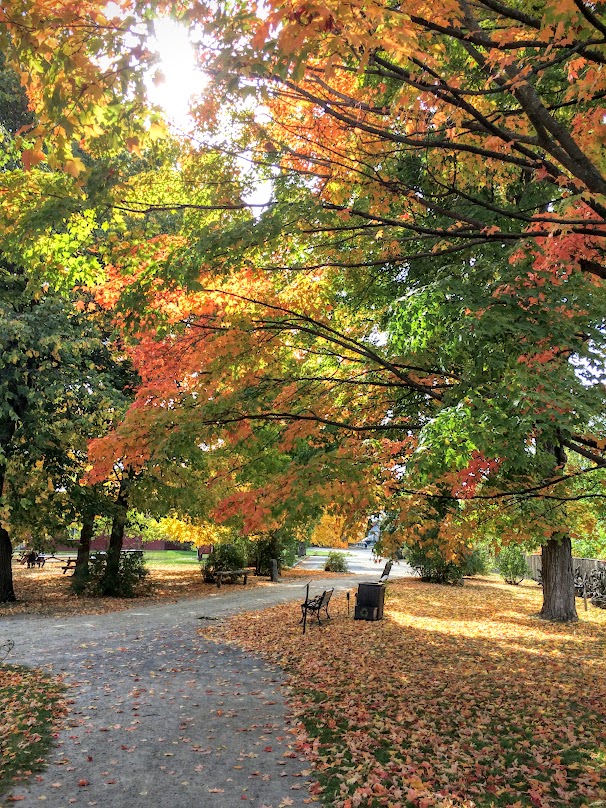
point(370, 601)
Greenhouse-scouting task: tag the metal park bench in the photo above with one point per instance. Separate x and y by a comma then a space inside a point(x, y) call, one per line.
point(315, 606)
point(385, 573)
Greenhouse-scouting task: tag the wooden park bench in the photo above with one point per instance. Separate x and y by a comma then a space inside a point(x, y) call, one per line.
point(315, 605)
point(220, 574)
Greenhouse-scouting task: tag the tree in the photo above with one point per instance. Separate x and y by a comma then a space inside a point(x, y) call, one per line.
point(418, 313)
point(53, 393)
point(454, 147)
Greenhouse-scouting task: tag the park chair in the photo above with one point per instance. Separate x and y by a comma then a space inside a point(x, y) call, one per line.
point(315, 605)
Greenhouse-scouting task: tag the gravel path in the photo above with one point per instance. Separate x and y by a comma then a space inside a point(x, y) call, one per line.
point(160, 717)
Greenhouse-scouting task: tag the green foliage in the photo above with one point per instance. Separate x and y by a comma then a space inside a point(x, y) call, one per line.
point(231, 556)
point(279, 545)
point(478, 562)
point(432, 564)
point(590, 546)
point(511, 564)
point(336, 562)
point(130, 582)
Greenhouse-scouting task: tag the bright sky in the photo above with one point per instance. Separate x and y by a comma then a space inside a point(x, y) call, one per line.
point(182, 79)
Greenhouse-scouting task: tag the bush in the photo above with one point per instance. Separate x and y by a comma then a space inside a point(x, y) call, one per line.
point(431, 565)
point(511, 564)
point(478, 562)
point(336, 562)
point(130, 582)
point(224, 557)
point(278, 545)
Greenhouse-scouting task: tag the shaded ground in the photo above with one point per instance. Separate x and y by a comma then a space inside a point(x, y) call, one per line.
point(31, 707)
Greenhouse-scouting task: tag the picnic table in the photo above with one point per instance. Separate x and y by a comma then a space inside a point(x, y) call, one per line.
point(70, 564)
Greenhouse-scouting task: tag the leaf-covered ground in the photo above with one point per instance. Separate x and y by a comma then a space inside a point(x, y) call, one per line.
point(30, 705)
point(460, 696)
point(45, 591)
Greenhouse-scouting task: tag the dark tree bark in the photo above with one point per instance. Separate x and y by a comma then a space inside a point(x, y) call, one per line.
point(556, 565)
point(558, 581)
point(7, 592)
point(110, 582)
point(86, 535)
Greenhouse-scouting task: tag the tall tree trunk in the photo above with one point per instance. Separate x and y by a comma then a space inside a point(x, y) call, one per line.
point(110, 584)
point(556, 564)
point(558, 581)
point(86, 535)
point(7, 593)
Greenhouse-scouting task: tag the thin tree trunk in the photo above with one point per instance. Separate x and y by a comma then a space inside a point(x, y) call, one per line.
point(112, 570)
point(86, 535)
point(558, 581)
point(7, 593)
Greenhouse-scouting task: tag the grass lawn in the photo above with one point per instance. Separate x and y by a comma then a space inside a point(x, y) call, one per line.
point(164, 558)
point(312, 551)
point(30, 704)
point(459, 697)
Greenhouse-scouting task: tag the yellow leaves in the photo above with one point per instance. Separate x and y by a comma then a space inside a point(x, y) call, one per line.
point(157, 131)
point(463, 693)
point(199, 534)
point(331, 531)
point(30, 705)
point(74, 167)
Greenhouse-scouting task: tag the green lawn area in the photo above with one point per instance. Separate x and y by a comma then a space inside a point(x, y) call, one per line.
point(164, 558)
point(30, 702)
point(313, 551)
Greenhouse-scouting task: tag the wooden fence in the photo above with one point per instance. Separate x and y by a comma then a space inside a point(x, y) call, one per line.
point(585, 564)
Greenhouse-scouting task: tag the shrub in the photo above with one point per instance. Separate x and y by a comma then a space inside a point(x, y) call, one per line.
point(336, 562)
point(431, 564)
point(278, 545)
point(131, 580)
point(511, 564)
point(224, 557)
point(478, 562)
